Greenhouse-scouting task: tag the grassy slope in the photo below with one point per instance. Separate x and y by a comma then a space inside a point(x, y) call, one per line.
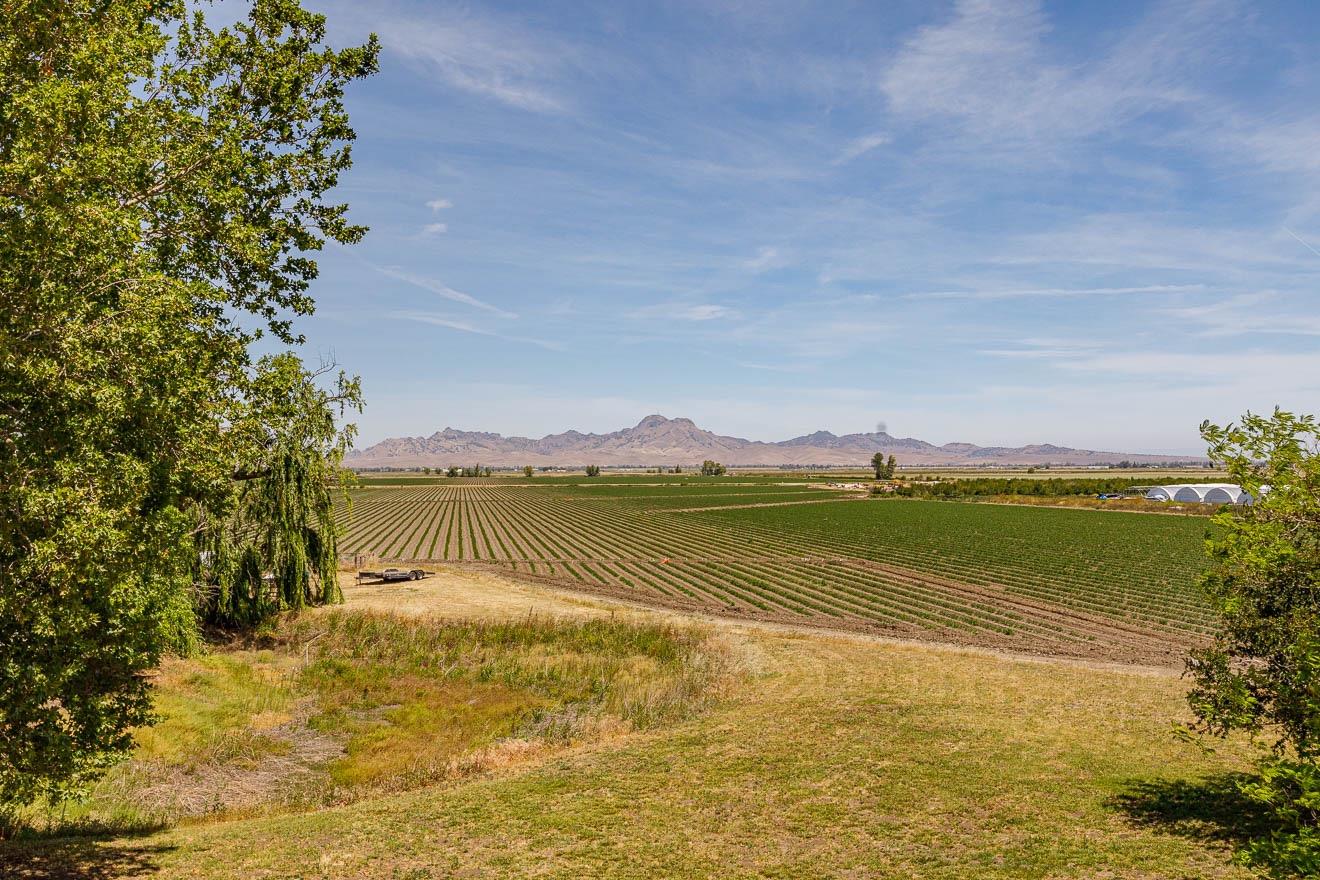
point(838, 757)
point(339, 706)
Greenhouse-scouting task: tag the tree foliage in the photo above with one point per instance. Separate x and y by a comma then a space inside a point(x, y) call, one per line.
point(1054, 487)
point(884, 470)
point(711, 468)
point(161, 184)
point(273, 545)
point(1262, 673)
point(593, 470)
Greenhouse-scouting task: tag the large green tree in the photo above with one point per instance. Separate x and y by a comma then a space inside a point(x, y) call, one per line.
point(161, 186)
point(1262, 672)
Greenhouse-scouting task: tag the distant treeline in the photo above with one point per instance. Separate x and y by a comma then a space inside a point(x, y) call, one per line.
point(1045, 488)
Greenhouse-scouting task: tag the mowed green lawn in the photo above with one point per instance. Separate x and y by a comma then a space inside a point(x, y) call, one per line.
point(831, 757)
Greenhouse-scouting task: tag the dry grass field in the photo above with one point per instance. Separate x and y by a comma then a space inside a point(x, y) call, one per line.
point(825, 755)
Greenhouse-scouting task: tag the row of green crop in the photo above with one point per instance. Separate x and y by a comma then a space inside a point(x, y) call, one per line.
point(1104, 562)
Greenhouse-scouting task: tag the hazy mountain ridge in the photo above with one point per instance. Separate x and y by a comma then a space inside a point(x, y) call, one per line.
point(657, 440)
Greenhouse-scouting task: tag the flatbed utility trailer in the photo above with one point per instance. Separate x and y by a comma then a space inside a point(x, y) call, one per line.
point(393, 575)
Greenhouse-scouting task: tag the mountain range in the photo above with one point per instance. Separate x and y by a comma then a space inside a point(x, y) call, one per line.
point(657, 440)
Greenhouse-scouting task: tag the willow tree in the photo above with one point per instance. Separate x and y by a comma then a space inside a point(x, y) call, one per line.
point(272, 544)
point(162, 185)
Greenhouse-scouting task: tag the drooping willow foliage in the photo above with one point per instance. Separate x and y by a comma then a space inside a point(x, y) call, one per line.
point(276, 546)
point(279, 549)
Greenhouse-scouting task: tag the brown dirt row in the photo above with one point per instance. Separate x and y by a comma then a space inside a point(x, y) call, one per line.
point(1090, 624)
point(764, 504)
point(1166, 654)
point(835, 546)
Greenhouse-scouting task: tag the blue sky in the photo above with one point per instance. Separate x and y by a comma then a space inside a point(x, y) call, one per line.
point(995, 221)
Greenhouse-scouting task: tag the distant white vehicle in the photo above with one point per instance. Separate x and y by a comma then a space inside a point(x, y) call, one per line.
point(1200, 493)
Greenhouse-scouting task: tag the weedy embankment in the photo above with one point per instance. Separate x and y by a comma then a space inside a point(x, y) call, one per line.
point(329, 708)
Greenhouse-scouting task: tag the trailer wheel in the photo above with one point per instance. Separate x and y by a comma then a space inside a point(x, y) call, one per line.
point(416, 575)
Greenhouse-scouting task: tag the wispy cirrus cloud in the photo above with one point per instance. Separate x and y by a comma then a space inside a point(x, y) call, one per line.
point(776, 368)
point(1044, 346)
point(766, 258)
point(1057, 292)
point(1281, 372)
point(441, 289)
point(987, 68)
point(685, 311)
point(860, 146)
point(1134, 241)
point(441, 320)
point(1303, 242)
point(484, 54)
point(1263, 312)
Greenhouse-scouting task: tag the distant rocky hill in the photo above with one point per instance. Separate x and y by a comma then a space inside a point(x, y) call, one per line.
point(656, 440)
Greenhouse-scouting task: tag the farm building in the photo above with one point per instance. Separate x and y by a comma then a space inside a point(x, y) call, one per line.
point(1200, 493)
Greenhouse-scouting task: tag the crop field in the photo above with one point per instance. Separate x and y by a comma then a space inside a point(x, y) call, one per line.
point(1060, 581)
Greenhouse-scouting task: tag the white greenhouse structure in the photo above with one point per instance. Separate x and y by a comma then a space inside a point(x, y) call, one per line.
point(1200, 493)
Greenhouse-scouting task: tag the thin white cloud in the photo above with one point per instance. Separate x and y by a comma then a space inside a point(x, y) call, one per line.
point(706, 312)
point(859, 147)
point(803, 331)
point(439, 204)
point(702, 312)
point(1246, 314)
point(1137, 241)
point(441, 289)
point(1043, 348)
point(987, 67)
point(775, 368)
point(435, 228)
point(440, 320)
point(766, 258)
point(685, 311)
point(1306, 244)
point(492, 57)
point(1057, 292)
point(1259, 369)
point(1030, 353)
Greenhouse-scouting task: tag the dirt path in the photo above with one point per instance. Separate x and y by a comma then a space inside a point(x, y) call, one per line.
point(465, 592)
